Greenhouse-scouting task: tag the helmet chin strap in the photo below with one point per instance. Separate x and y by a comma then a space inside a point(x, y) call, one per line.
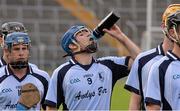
point(19, 64)
point(177, 40)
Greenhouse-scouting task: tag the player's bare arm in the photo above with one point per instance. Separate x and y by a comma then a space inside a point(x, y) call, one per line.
point(48, 108)
point(116, 32)
point(153, 107)
point(135, 101)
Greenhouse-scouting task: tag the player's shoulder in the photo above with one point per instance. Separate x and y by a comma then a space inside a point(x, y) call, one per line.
point(40, 72)
point(110, 58)
point(2, 71)
point(62, 68)
point(157, 64)
point(145, 53)
point(33, 65)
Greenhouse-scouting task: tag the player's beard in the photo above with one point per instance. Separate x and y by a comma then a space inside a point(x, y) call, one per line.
point(91, 48)
point(19, 64)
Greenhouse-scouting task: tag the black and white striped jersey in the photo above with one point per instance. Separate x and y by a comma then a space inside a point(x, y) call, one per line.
point(138, 77)
point(163, 84)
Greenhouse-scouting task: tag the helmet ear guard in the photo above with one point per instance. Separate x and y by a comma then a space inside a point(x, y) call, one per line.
point(173, 20)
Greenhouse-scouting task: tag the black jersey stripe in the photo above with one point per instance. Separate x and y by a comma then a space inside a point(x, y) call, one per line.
point(162, 71)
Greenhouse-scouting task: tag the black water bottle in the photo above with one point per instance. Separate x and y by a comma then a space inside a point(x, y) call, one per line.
point(107, 23)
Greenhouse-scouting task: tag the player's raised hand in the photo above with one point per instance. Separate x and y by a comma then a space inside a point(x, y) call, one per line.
point(115, 32)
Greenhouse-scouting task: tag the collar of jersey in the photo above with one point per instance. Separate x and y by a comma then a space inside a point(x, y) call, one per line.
point(10, 72)
point(86, 67)
point(3, 61)
point(172, 56)
point(160, 50)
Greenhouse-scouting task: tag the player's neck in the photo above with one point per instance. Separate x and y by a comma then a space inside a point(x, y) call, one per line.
point(19, 72)
point(167, 45)
point(84, 59)
point(176, 50)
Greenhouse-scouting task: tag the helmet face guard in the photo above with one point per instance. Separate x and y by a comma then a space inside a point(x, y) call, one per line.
point(173, 21)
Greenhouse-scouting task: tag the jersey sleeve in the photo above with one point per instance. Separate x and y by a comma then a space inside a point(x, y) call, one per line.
point(51, 97)
point(33, 65)
point(132, 83)
point(117, 60)
point(153, 87)
point(55, 96)
point(118, 66)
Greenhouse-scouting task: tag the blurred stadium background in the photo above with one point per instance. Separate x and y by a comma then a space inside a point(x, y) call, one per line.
point(47, 20)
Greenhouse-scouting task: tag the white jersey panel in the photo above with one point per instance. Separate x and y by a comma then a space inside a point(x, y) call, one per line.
point(146, 71)
point(172, 85)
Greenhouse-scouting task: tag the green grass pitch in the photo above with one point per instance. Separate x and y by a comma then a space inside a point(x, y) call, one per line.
point(120, 97)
